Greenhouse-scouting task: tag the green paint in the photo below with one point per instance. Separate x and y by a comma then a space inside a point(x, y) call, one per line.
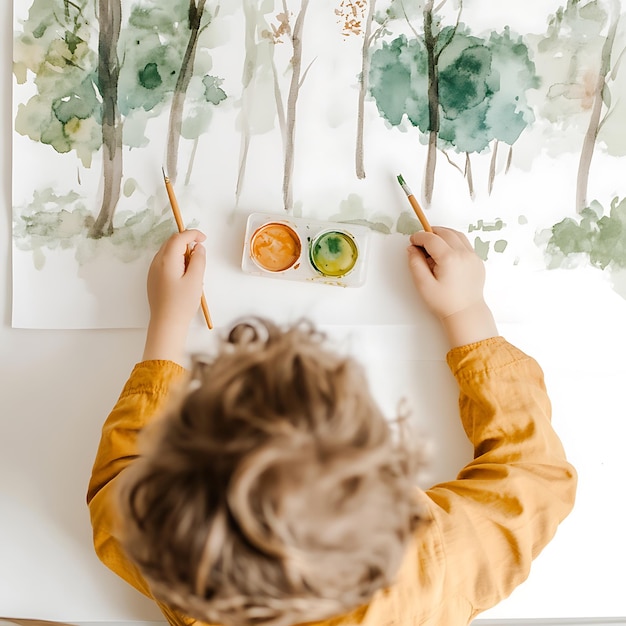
point(480, 96)
point(377, 226)
point(486, 227)
point(352, 211)
point(61, 222)
point(500, 245)
point(333, 253)
point(602, 238)
point(130, 186)
point(522, 220)
point(213, 93)
point(463, 83)
point(149, 76)
point(82, 104)
point(407, 224)
point(482, 248)
point(57, 46)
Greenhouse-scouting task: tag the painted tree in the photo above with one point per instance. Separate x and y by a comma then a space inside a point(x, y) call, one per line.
point(258, 65)
point(578, 59)
point(161, 66)
point(56, 45)
point(75, 107)
point(196, 16)
point(291, 30)
point(459, 90)
point(509, 112)
point(110, 22)
point(427, 51)
point(357, 18)
point(97, 84)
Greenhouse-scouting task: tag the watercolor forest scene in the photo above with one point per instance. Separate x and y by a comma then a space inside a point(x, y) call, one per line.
point(507, 122)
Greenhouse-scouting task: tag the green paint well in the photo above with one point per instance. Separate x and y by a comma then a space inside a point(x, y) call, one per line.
point(333, 253)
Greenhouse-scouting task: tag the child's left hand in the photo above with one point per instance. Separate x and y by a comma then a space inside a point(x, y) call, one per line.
point(174, 292)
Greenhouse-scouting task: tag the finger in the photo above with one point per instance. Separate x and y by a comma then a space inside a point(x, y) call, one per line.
point(197, 263)
point(433, 243)
point(419, 266)
point(178, 242)
point(464, 240)
point(452, 237)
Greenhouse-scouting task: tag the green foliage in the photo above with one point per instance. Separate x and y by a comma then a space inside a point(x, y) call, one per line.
point(602, 238)
point(154, 44)
point(61, 222)
point(398, 82)
point(56, 46)
point(482, 85)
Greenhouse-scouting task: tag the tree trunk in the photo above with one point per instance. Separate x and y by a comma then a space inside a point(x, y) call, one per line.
point(180, 90)
point(363, 86)
point(509, 160)
point(468, 175)
point(292, 101)
point(430, 40)
point(247, 96)
point(591, 135)
point(110, 19)
point(492, 166)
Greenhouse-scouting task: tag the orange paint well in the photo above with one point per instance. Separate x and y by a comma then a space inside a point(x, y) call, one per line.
point(275, 247)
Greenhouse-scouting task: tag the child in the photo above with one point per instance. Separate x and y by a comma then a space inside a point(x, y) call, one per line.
point(271, 489)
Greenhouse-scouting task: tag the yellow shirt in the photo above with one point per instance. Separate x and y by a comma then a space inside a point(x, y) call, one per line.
point(487, 525)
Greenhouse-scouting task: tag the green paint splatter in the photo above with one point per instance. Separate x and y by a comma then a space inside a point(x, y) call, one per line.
point(482, 248)
point(522, 220)
point(130, 186)
point(500, 245)
point(213, 92)
point(486, 227)
point(407, 224)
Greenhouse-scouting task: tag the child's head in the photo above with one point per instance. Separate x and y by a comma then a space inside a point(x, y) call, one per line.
point(274, 490)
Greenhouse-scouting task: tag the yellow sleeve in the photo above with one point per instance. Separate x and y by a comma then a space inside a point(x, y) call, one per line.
point(143, 395)
point(505, 505)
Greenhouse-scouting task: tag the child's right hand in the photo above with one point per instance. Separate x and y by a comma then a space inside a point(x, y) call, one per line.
point(451, 280)
point(174, 291)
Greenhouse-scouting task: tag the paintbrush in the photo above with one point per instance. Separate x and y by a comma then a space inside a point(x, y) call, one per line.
point(414, 203)
point(181, 227)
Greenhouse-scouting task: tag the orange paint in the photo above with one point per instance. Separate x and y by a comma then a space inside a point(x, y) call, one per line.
point(275, 247)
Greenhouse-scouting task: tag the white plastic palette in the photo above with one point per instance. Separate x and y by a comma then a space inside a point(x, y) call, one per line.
point(305, 264)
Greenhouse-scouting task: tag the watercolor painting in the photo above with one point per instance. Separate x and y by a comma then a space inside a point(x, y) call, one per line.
point(510, 123)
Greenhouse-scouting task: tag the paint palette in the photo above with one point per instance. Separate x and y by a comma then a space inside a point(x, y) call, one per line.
point(299, 249)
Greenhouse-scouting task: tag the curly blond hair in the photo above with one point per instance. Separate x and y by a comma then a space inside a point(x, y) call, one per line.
point(273, 491)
